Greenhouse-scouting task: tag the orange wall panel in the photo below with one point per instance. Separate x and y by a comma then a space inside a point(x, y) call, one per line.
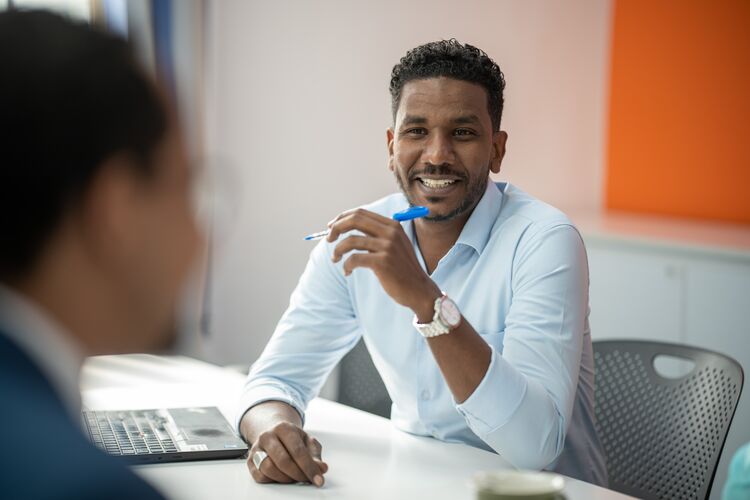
point(678, 139)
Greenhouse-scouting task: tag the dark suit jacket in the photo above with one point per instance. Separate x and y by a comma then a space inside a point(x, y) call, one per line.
point(43, 452)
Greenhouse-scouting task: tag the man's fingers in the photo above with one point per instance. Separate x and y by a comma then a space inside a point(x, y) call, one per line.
point(356, 243)
point(314, 446)
point(316, 451)
point(368, 260)
point(352, 222)
point(257, 475)
point(269, 470)
point(302, 457)
point(361, 211)
point(279, 460)
point(269, 473)
point(367, 222)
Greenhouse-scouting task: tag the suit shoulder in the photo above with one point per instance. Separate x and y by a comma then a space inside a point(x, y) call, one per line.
point(46, 455)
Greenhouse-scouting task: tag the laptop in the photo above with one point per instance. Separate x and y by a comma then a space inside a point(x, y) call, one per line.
point(164, 435)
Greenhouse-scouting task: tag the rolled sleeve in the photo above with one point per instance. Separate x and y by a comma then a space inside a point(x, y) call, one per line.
point(260, 391)
point(522, 407)
point(481, 410)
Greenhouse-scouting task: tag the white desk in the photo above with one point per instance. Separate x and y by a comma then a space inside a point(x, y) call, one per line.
point(368, 458)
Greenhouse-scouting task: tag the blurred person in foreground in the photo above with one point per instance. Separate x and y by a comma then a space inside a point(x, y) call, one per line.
point(96, 237)
point(476, 316)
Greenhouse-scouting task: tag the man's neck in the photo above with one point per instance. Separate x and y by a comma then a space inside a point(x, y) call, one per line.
point(435, 239)
point(77, 297)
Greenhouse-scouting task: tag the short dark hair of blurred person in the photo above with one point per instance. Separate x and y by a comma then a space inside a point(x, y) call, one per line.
point(97, 235)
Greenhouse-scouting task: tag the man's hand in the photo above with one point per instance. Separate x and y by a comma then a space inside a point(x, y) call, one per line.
point(389, 254)
point(293, 456)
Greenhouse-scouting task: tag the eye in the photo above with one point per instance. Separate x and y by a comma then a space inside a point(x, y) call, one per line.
point(416, 131)
point(464, 132)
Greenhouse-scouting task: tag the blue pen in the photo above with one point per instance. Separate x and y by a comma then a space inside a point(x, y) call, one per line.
point(408, 214)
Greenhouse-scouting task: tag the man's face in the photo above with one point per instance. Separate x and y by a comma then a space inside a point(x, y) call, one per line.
point(164, 242)
point(442, 147)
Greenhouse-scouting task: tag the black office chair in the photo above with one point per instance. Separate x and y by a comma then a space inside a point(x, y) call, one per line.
point(360, 384)
point(663, 436)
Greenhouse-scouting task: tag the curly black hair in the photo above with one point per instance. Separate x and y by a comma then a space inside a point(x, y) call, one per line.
point(452, 59)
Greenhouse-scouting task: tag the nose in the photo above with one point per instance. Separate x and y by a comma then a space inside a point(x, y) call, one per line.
point(438, 150)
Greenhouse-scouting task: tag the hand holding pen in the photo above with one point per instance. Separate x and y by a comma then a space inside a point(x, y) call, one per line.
point(408, 214)
point(385, 249)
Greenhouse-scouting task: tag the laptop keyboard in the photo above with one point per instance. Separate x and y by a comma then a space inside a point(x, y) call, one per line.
point(129, 432)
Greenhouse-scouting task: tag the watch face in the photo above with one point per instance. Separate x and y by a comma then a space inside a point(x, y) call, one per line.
point(449, 312)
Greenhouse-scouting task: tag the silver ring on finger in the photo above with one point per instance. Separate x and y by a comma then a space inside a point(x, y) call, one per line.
point(258, 458)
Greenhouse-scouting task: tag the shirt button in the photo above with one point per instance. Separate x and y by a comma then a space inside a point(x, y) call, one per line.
point(425, 395)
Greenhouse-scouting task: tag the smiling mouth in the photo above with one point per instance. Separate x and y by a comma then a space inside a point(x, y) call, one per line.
point(437, 185)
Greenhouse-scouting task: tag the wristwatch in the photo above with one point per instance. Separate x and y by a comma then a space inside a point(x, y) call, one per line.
point(447, 317)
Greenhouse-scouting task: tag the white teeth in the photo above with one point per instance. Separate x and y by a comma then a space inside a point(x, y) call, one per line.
point(437, 183)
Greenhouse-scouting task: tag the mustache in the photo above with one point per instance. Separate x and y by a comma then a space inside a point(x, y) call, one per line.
point(437, 170)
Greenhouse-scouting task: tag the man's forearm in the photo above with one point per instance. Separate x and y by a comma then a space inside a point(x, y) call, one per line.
point(266, 415)
point(462, 355)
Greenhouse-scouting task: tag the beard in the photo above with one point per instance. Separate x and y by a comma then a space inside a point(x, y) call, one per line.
point(475, 190)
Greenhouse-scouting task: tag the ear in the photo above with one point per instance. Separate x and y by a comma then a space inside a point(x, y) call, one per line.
point(499, 139)
point(389, 136)
point(110, 212)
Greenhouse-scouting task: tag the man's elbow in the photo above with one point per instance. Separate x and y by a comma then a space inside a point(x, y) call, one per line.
point(528, 450)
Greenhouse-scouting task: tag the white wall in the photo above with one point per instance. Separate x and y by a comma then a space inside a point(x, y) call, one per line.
point(298, 105)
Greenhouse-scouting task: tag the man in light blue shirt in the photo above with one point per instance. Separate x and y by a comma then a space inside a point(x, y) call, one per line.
point(476, 316)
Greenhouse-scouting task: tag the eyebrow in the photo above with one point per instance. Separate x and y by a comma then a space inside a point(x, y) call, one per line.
point(466, 119)
point(459, 120)
point(413, 120)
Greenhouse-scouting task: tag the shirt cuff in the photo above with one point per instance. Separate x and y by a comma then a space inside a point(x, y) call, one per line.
point(267, 391)
point(496, 398)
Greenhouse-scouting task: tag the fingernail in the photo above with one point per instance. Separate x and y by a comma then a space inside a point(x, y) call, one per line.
point(318, 480)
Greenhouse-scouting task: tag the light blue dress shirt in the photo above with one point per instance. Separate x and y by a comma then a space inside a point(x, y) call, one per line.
point(519, 275)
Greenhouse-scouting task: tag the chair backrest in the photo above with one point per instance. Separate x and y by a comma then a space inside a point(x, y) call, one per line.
point(360, 384)
point(663, 436)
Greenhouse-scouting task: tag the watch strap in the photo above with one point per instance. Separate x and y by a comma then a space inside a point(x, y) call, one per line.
point(436, 327)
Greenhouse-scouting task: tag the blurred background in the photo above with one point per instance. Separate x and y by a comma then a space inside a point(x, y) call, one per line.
point(629, 115)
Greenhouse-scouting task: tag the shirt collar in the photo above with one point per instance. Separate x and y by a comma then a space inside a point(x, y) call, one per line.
point(476, 231)
point(46, 342)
